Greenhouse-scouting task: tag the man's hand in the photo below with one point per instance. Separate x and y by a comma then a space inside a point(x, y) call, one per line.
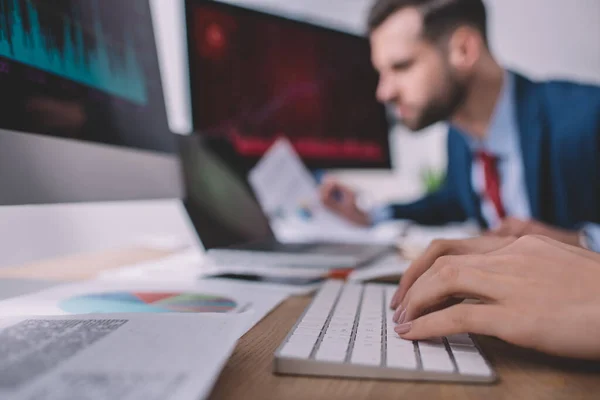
point(535, 292)
point(439, 248)
point(517, 227)
point(342, 200)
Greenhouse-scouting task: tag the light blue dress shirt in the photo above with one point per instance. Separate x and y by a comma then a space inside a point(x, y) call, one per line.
point(503, 141)
point(592, 236)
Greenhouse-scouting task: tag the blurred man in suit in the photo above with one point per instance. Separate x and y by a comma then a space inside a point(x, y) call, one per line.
point(524, 157)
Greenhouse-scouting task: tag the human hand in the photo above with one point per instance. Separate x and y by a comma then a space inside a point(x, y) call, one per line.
point(439, 248)
point(536, 293)
point(342, 200)
point(517, 227)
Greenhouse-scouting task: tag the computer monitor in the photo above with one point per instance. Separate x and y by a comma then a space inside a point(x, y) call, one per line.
point(257, 76)
point(82, 114)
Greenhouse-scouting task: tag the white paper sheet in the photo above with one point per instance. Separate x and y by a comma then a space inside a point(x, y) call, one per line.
point(99, 296)
point(281, 182)
point(115, 356)
point(287, 191)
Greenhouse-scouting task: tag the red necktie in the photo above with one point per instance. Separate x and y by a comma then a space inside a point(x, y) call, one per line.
point(492, 180)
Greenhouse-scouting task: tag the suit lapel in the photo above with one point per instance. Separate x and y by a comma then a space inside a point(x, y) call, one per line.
point(531, 132)
point(462, 158)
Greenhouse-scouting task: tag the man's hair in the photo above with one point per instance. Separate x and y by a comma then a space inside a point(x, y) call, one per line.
point(440, 17)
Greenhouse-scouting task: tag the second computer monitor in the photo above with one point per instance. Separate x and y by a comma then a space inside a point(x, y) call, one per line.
point(82, 112)
point(257, 76)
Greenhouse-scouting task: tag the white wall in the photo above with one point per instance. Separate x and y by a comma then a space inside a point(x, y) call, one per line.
point(548, 38)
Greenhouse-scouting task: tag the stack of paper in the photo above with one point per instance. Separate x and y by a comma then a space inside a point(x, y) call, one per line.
point(106, 340)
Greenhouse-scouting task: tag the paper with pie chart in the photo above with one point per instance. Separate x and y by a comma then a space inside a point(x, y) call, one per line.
point(113, 297)
point(147, 301)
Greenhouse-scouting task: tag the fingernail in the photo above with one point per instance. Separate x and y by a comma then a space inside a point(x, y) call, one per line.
point(397, 313)
point(402, 317)
point(403, 328)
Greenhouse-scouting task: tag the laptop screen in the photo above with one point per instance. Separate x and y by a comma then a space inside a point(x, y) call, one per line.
point(221, 206)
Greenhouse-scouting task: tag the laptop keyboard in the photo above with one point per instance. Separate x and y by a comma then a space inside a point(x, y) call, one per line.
point(348, 331)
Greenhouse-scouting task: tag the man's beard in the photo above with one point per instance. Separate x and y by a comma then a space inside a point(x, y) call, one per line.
point(443, 107)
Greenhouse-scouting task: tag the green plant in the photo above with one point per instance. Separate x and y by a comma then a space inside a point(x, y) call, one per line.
point(432, 179)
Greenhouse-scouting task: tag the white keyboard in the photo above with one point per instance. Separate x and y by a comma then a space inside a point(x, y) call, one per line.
point(347, 331)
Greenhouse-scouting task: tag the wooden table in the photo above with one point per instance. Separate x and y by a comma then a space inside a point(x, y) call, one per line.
point(523, 374)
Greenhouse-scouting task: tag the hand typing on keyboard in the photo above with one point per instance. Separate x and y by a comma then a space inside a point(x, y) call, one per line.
point(534, 292)
point(348, 331)
point(441, 248)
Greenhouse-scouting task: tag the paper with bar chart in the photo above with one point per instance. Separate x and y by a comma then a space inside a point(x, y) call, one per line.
point(97, 297)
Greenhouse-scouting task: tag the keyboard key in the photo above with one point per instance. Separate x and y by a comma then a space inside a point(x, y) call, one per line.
point(337, 339)
point(307, 331)
point(332, 351)
point(368, 338)
point(401, 357)
point(432, 346)
point(461, 339)
point(297, 350)
point(338, 357)
point(457, 348)
point(397, 341)
point(470, 363)
point(367, 346)
point(435, 359)
point(338, 332)
point(366, 357)
point(302, 340)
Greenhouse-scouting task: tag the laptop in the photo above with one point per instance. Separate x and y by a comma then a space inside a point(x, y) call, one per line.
point(234, 229)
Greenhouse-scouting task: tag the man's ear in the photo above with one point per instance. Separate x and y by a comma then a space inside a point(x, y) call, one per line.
point(465, 48)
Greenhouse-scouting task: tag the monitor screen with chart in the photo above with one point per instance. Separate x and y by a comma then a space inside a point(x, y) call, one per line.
point(256, 76)
point(82, 113)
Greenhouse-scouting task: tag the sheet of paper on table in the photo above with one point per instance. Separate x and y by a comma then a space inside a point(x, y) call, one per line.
point(130, 296)
point(140, 356)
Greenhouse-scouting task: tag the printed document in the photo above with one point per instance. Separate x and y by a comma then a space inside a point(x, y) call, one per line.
point(115, 356)
point(199, 297)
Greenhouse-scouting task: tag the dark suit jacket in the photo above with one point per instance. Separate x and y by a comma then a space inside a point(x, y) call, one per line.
point(559, 128)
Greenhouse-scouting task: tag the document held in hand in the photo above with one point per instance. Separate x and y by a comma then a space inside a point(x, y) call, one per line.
point(287, 191)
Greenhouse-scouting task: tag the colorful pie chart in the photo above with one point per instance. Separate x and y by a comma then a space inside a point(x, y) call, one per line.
point(153, 302)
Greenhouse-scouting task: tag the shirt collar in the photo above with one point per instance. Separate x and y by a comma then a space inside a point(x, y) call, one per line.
point(499, 140)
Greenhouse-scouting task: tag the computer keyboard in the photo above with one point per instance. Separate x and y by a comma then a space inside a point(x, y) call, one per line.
point(347, 331)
